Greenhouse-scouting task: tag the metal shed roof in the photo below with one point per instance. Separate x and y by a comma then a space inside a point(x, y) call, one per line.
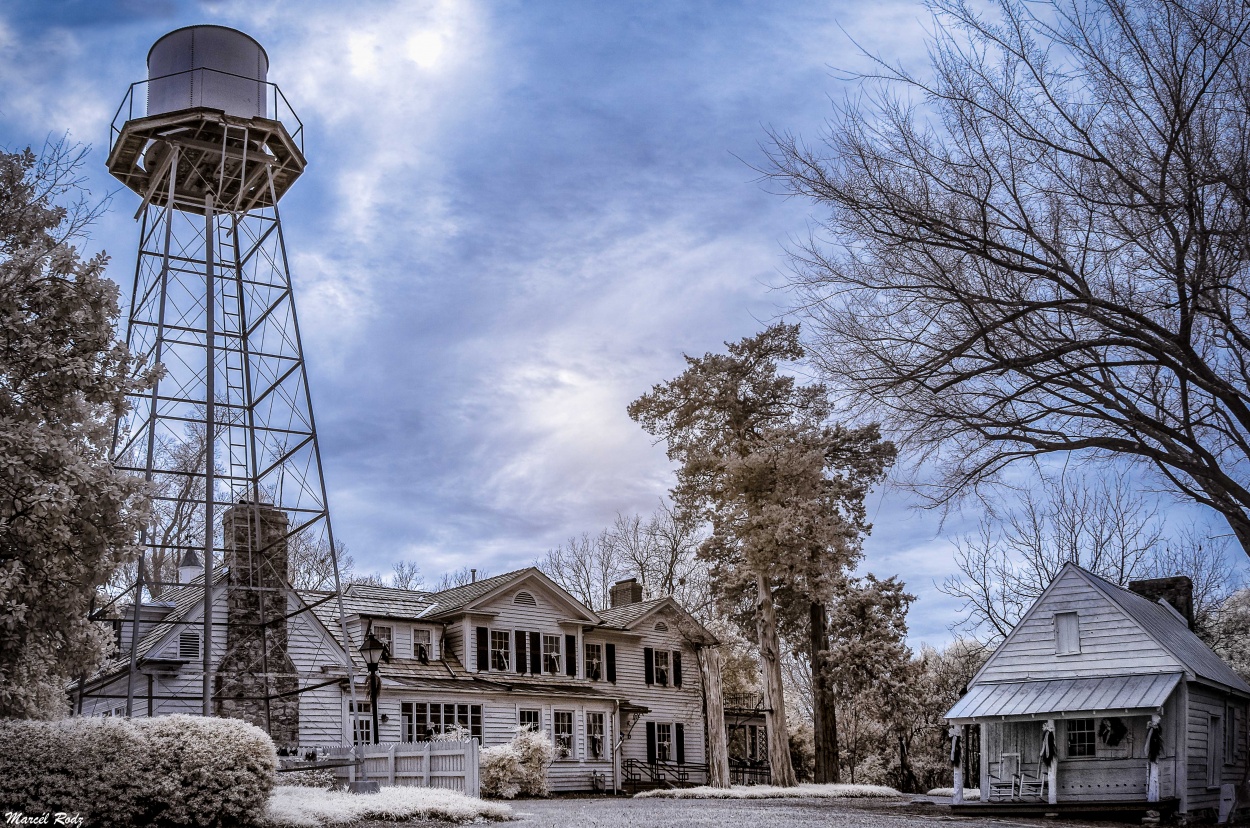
point(1071, 696)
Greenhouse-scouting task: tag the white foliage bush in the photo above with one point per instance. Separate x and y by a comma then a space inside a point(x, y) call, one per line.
point(518, 767)
point(167, 771)
point(291, 807)
point(317, 778)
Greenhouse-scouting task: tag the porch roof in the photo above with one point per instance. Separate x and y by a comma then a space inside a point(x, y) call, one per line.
point(1032, 699)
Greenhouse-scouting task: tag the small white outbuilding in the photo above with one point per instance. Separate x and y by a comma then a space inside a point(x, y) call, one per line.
point(1103, 698)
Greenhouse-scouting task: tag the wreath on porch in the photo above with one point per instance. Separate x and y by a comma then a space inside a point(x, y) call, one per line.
point(1112, 731)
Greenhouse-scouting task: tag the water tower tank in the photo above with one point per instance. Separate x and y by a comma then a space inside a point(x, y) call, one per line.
point(208, 66)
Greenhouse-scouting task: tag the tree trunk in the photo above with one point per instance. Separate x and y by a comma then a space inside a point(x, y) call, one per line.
point(774, 696)
point(824, 717)
point(717, 746)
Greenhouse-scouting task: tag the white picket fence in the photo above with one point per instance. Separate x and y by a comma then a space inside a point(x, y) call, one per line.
point(449, 765)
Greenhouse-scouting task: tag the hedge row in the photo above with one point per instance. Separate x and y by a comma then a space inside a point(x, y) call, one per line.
point(166, 771)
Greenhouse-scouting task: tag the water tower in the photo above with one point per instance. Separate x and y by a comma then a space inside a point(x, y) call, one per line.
point(226, 435)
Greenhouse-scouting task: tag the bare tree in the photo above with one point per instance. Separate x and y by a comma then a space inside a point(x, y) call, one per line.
point(458, 578)
point(406, 575)
point(1042, 247)
point(586, 566)
point(1102, 525)
point(312, 567)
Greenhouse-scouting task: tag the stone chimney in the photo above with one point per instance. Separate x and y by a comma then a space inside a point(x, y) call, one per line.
point(628, 591)
point(1177, 591)
point(256, 680)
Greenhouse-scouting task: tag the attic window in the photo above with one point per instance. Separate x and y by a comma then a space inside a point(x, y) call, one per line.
point(189, 645)
point(661, 627)
point(1067, 633)
point(525, 598)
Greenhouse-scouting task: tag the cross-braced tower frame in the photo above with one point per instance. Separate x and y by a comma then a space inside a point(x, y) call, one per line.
point(226, 435)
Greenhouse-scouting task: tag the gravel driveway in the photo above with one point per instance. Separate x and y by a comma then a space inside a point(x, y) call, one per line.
point(607, 812)
point(718, 813)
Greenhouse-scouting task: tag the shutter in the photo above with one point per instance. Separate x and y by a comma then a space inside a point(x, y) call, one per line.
point(609, 654)
point(677, 669)
point(648, 665)
point(651, 742)
point(536, 654)
point(570, 655)
point(679, 736)
point(483, 648)
point(520, 651)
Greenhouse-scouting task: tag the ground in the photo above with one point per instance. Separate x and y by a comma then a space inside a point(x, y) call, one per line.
point(606, 812)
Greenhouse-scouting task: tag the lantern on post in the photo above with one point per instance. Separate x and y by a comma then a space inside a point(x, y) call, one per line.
point(373, 652)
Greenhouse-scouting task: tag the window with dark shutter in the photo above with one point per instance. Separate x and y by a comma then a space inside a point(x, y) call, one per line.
point(651, 742)
point(677, 668)
point(521, 655)
point(648, 665)
point(483, 648)
point(679, 742)
point(570, 655)
point(536, 654)
point(609, 655)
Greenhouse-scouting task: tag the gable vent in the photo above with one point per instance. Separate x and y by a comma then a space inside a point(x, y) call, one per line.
point(525, 598)
point(189, 645)
point(661, 627)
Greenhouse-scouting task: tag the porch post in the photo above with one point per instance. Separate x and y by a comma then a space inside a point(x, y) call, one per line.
point(1050, 754)
point(957, 763)
point(1152, 758)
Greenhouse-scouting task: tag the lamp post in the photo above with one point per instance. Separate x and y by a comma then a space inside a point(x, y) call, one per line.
point(373, 651)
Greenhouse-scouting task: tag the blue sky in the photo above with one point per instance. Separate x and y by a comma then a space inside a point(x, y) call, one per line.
point(515, 219)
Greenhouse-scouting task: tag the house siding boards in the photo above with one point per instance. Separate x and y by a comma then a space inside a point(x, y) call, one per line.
point(1111, 642)
point(1205, 703)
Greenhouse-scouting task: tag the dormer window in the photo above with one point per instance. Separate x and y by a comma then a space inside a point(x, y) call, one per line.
point(384, 634)
point(1067, 633)
point(421, 645)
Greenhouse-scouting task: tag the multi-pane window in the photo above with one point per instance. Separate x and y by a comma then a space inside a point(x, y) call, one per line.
point(594, 661)
point(594, 735)
point(562, 724)
point(1081, 738)
point(420, 721)
point(661, 667)
point(362, 724)
point(500, 656)
point(663, 741)
point(421, 644)
point(384, 634)
point(529, 719)
point(551, 653)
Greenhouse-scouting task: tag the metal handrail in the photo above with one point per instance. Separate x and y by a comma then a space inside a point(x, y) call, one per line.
point(128, 102)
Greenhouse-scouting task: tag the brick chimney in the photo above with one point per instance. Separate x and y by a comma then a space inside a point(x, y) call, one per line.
point(1178, 591)
point(256, 664)
point(628, 591)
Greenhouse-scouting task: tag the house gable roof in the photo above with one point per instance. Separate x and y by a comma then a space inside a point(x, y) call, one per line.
point(1169, 628)
point(1163, 640)
point(629, 616)
point(475, 595)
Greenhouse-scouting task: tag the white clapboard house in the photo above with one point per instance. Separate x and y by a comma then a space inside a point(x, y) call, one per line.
point(1114, 689)
point(619, 690)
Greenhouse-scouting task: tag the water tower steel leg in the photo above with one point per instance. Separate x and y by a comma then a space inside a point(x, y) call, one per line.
point(210, 438)
point(147, 475)
point(325, 503)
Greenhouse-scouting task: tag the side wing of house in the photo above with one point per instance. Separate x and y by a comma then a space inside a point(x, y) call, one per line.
point(1074, 631)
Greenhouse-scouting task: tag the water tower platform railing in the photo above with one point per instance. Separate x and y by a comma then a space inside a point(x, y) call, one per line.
point(275, 103)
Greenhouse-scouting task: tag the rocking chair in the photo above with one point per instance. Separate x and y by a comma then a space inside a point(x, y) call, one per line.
point(1033, 784)
point(1003, 777)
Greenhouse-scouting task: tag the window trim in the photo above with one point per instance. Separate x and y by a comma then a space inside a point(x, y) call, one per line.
point(552, 660)
point(1090, 735)
point(504, 663)
point(537, 725)
point(663, 671)
point(429, 642)
point(596, 662)
point(602, 719)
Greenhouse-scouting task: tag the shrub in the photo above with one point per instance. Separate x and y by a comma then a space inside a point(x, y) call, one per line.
point(518, 767)
point(167, 771)
point(317, 778)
